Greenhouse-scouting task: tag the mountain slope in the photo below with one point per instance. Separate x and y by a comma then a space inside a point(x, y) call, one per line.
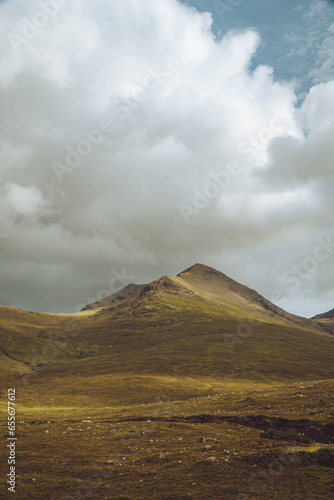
point(326, 315)
point(179, 335)
point(218, 294)
point(229, 292)
point(127, 293)
point(326, 321)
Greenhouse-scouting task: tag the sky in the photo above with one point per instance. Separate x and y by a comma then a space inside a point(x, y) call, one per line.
point(138, 138)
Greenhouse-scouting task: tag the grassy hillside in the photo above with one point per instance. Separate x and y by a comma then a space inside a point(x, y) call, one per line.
point(190, 387)
point(201, 329)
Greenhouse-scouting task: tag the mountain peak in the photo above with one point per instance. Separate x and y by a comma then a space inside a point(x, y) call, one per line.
point(202, 270)
point(199, 273)
point(194, 267)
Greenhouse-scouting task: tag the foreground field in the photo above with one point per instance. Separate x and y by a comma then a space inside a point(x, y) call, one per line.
point(259, 443)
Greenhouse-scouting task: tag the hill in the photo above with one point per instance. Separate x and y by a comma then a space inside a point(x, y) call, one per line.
point(326, 315)
point(199, 328)
point(191, 386)
point(326, 321)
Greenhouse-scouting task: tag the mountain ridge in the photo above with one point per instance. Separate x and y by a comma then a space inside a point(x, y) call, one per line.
point(202, 283)
point(326, 315)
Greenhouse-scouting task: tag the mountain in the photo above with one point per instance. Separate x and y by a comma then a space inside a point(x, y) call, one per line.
point(179, 335)
point(197, 283)
point(127, 293)
point(326, 321)
point(326, 315)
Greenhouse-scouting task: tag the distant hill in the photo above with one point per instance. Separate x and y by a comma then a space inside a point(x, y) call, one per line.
point(326, 315)
point(326, 321)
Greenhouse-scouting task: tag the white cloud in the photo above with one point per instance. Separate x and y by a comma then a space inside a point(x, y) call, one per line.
point(181, 104)
point(317, 111)
point(24, 200)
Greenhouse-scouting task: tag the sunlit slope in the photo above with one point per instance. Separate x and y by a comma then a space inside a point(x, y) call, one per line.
point(183, 335)
point(25, 336)
point(236, 297)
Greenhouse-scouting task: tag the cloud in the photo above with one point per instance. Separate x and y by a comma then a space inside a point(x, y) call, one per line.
point(24, 200)
point(14, 156)
point(115, 114)
point(307, 160)
point(307, 44)
point(324, 70)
